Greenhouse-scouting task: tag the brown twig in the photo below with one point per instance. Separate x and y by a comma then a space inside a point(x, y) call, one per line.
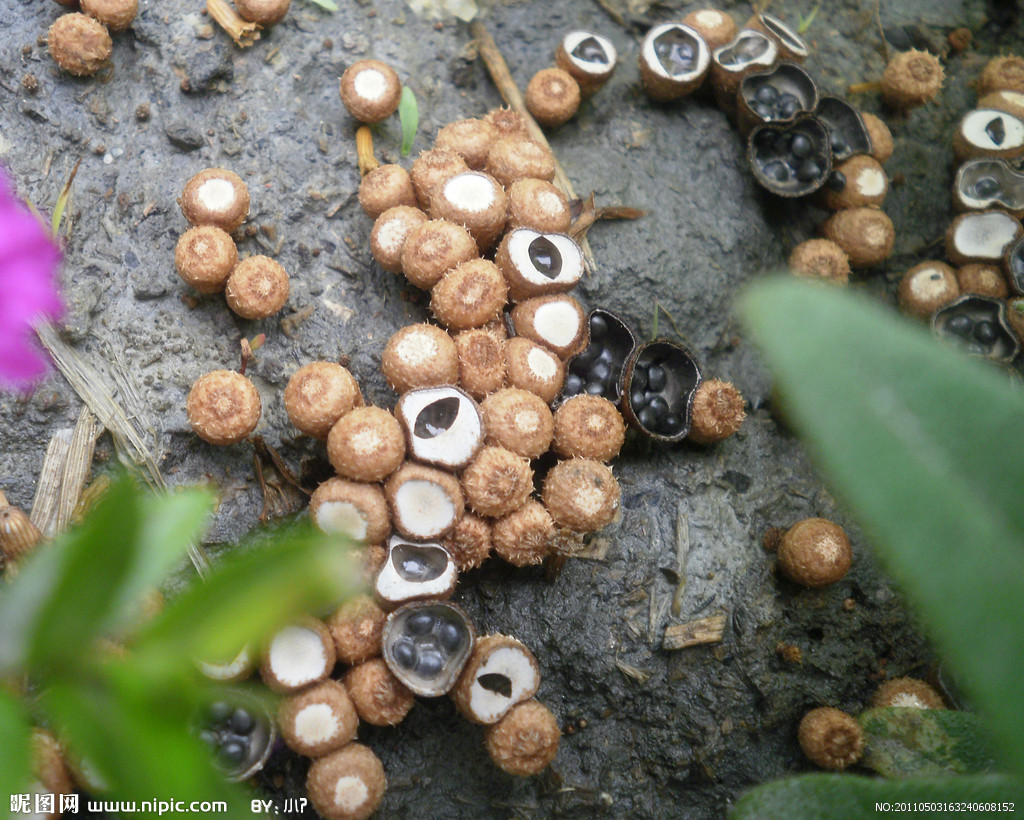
point(864, 88)
point(364, 150)
point(590, 214)
point(502, 77)
point(243, 33)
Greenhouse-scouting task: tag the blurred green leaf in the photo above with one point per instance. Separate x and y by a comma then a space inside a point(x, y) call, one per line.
point(409, 115)
point(15, 760)
point(249, 595)
point(925, 446)
point(909, 742)
point(851, 797)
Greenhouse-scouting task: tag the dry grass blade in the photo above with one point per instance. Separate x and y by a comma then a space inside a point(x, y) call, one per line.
point(694, 633)
point(77, 466)
point(682, 557)
point(364, 150)
point(244, 34)
point(62, 201)
point(47, 500)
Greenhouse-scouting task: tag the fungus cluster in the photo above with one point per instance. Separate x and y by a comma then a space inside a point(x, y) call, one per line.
point(584, 62)
point(80, 41)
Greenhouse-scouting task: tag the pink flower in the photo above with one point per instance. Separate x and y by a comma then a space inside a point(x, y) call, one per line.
point(29, 259)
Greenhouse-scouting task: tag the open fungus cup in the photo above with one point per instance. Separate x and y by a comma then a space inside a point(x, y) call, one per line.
point(777, 96)
point(791, 160)
point(659, 382)
point(978, 326)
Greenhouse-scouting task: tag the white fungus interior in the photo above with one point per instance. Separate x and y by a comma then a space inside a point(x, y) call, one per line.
point(985, 235)
point(415, 349)
point(907, 700)
point(370, 84)
point(297, 656)
point(455, 446)
point(509, 661)
point(216, 194)
point(542, 363)
point(391, 587)
point(470, 192)
point(350, 792)
point(870, 182)
point(558, 322)
point(928, 284)
point(229, 670)
point(572, 258)
point(650, 57)
point(316, 723)
point(574, 38)
point(975, 124)
point(424, 507)
point(709, 18)
point(343, 518)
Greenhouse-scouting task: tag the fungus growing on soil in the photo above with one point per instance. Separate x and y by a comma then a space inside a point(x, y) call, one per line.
point(588, 427)
point(981, 184)
point(717, 412)
point(517, 157)
point(988, 133)
point(673, 61)
point(556, 321)
point(318, 394)
point(866, 235)
point(523, 537)
point(597, 369)
point(420, 356)
point(204, 258)
point(385, 187)
point(229, 670)
point(116, 15)
point(469, 542)
point(1003, 73)
point(472, 199)
point(815, 553)
point(790, 44)
point(257, 288)
point(347, 784)
point(425, 503)
point(518, 420)
point(882, 144)
point(481, 355)
point(497, 482)
point(831, 738)
point(18, 535)
point(298, 656)
point(415, 572)
point(552, 97)
point(911, 78)
point(525, 740)
point(926, 287)
point(779, 95)
point(581, 494)
point(223, 407)
point(982, 236)
point(366, 444)
point(506, 122)
point(355, 510)
point(748, 52)
point(864, 185)
point(471, 139)
point(434, 248)
point(820, 259)
point(380, 698)
point(537, 204)
point(791, 160)
point(215, 197)
point(390, 232)
point(983, 280)
point(1012, 102)
point(716, 27)
point(432, 168)
point(537, 264)
point(356, 628)
point(263, 12)
point(659, 383)
point(470, 295)
point(426, 646)
point(589, 58)
point(501, 673)
point(977, 325)
point(907, 693)
point(370, 90)
point(319, 720)
point(79, 44)
point(443, 426)
point(533, 367)
point(239, 731)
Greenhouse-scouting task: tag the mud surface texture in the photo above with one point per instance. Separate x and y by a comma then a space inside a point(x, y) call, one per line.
point(648, 732)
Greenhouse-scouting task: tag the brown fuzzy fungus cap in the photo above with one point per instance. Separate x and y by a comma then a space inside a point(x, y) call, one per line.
point(500, 673)
point(984, 280)
point(556, 321)
point(370, 90)
point(116, 15)
point(481, 354)
point(347, 784)
point(386, 186)
point(820, 259)
point(866, 235)
point(425, 502)
point(815, 553)
point(367, 444)
point(552, 97)
point(581, 494)
point(475, 200)
point(420, 356)
point(18, 535)
point(831, 738)
point(518, 157)
point(534, 368)
point(908, 693)
point(866, 185)
point(518, 420)
point(79, 44)
point(223, 407)
point(882, 144)
point(470, 295)
point(298, 656)
point(1004, 73)
point(49, 767)
point(716, 27)
point(318, 394)
point(380, 698)
point(506, 122)
point(589, 58)
point(432, 168)
point(357, 511)
point(589, 427)
point(356, 628)
point(217, 197)
point(257, 288)
point(434, 248)
point(523, 537)
point(497, 482)
point(911, 78)
point(536, 264)
point(525, 741)
point(469, 542)
point(471, 139)
point(537, 204)
point(1010, 102)
point(263, 12)
point(204, 258)
point(717, 412)
point(390, 232)
point(319, 720)
point(926, 287)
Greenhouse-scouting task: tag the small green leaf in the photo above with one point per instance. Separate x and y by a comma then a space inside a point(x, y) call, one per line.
point(330, 5)
point(908, 742)
point(851, 797)
point(925, 446)
point(805, 22)
point(409, 114)
point(14, 750)
point(62, 201)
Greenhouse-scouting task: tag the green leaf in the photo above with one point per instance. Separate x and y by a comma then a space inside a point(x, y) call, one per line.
point(851, 797)
point(925, 446)
point(330, 5)
point(909, 742)
point(248, 596)
point(14, 750)
point(805, 22)
point(409, 114)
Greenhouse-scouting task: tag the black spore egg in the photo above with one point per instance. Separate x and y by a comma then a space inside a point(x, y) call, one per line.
point(597, 369)
point(239, 731)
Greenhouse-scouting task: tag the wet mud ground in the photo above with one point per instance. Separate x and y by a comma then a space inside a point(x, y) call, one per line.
point(648, 733)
